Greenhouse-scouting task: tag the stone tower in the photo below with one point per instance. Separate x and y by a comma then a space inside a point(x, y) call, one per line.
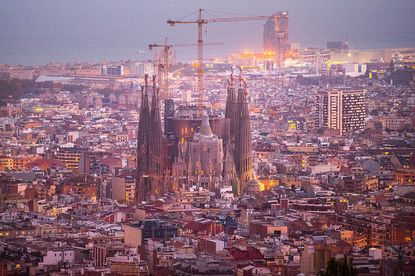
point(150, 160)
point(156, 144)
point(241, 137)
point(230, 111)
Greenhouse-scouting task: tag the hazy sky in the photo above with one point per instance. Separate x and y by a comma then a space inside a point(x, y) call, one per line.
point(38, 31)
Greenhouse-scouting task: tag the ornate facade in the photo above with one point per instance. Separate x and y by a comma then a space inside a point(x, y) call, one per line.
point(200, 151)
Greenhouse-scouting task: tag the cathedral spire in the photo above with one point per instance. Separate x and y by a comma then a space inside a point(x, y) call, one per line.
point(230, 111)
point(205, 129)
point(143, 145)
point(155, 144)
point(150, 162)
point(243, 138)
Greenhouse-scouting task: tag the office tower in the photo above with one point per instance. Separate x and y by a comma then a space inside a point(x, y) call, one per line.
point(150, 161)
point(241, 141)
point(276, 36)
point(341, 109)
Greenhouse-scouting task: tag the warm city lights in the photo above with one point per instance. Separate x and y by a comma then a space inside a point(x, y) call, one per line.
point(232, 138)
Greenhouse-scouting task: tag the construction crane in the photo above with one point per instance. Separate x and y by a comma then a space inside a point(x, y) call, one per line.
point(203, 21)
point(164, 66)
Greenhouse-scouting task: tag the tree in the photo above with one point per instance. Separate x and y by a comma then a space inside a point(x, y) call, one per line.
point(342, 267)
point(14, 89)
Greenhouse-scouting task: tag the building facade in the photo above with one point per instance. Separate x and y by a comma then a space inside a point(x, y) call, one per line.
point(276, 35)
point(205, 156)
point(341, 109)
point(239, 145)
point(150, 147)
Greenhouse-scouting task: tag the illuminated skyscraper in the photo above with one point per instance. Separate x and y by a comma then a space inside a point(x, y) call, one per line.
point(276, 35)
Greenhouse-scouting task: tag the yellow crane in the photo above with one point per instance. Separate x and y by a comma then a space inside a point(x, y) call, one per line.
point(203, 21)
point(163, 66)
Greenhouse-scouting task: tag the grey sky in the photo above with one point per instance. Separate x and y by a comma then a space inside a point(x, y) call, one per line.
point(38, 31)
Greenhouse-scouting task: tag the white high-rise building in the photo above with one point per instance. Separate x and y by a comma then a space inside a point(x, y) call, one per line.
point(341, 109)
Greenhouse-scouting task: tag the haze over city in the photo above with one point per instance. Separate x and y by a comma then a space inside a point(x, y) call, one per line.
point(36, 32)
point(226, 138)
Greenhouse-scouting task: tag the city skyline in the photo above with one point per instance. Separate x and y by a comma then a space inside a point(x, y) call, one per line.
point(60, 31)
point(276, 159)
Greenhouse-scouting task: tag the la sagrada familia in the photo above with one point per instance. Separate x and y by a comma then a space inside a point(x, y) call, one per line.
point(194, 148)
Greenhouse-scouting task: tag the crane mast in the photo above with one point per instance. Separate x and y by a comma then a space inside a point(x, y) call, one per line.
point(164, 66)
point(200, 22)
point(200, 65)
